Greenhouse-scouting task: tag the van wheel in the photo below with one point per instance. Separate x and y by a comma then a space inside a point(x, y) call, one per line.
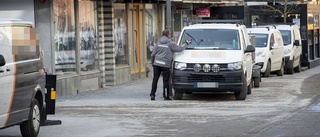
point(290, 70)
point(241, 95)
point(250, 87)
point(298, 68)
point(177, 94)
point(281, 71)
point(256, 82)
point(31, 127)
point(268, 70)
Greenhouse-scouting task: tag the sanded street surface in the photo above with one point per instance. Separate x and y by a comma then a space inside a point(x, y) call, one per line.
point(281, 106)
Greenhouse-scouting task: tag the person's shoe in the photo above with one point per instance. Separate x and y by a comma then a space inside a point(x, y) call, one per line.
point(167, 98)
point(152, 97)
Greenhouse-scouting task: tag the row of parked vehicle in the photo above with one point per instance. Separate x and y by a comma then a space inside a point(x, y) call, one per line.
point(227, 56)
point(278, 48)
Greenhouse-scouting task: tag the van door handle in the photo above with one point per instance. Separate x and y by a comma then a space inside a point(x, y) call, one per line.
point(1, 71)
point(8, 69)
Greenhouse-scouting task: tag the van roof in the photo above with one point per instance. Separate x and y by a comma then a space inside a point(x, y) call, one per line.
point(281, 27)
point(263, 30)
point(213, 25)
point(15, 23)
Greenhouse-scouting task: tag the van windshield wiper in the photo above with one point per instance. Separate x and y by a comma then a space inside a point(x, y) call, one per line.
point(201, 40)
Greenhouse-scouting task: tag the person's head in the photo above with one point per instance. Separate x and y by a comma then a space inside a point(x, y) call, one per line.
point(167, 33)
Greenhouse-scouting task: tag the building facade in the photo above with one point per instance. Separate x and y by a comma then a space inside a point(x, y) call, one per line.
point(92, 44)
point(305, 15)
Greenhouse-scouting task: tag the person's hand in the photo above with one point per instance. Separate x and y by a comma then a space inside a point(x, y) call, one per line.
point(189, 41)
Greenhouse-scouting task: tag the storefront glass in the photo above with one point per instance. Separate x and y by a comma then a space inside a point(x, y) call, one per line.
point(88, 45)
point(151, 28)
point(120, 34)
point(64, 36)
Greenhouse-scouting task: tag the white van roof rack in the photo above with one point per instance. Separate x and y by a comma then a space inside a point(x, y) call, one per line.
point(15, 23)
point(274, 24)
point(237, 22)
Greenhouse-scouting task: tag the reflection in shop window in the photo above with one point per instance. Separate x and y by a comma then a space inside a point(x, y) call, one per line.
point(120, 32)
point(310, 37)
point(316, 20)
point(151, 28)
point(87, 24)
point(64, 36)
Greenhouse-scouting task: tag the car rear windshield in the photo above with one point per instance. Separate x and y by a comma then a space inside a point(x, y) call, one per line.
point(261, 39)
point(286, 36)
point(211, 39)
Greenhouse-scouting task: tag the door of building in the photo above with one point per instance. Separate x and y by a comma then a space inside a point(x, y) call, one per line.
point(136, 39)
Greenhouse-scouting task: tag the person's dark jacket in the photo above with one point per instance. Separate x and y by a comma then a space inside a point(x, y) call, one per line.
point(162, 53)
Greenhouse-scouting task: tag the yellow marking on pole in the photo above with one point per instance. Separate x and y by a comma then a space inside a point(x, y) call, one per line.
point(53, 95)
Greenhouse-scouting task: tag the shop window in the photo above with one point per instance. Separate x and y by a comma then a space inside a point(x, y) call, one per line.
point(88, 38)
point(316, 20)
point(254, 20)
point(310, 21)
point(316, 43)
point(310, 37)
point(151, 28)
point(120, 34)
point(64, 36)
point(316, 37)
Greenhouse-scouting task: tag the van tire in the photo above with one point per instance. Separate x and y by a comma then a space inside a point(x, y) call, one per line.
point(31, 127)
point(177, 94)
point(241, 95)
point(256, 82)
point(281, 71)
point(268, 70)
point(290, 70)
point(250, 87)
point(298, 68)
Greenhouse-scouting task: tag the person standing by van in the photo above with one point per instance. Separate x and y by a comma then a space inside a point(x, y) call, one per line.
point(162, 56)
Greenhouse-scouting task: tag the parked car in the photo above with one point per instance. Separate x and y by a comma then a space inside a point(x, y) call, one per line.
point(269, 50)
point(218, 60)
point(22, 90)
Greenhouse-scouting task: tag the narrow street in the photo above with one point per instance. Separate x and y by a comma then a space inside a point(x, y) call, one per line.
point(281, 106)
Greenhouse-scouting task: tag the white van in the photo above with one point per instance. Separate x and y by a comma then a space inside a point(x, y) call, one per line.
point(22, 97)
point(292, 46)
point(269, 50)
point(218, 60)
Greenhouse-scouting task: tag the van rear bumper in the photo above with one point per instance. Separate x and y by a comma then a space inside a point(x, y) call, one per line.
point(208, 82)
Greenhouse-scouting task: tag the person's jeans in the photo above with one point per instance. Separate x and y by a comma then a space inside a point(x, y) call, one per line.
point(156, 74)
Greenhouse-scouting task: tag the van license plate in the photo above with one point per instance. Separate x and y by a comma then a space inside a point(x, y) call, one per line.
point(206, 85)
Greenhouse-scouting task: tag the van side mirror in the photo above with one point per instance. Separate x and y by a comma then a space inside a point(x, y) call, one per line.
point(296, 43)
point(2, 61)
point(250, 48)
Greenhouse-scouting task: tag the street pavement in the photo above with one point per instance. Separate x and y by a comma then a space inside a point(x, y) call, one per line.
point(306, 121)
